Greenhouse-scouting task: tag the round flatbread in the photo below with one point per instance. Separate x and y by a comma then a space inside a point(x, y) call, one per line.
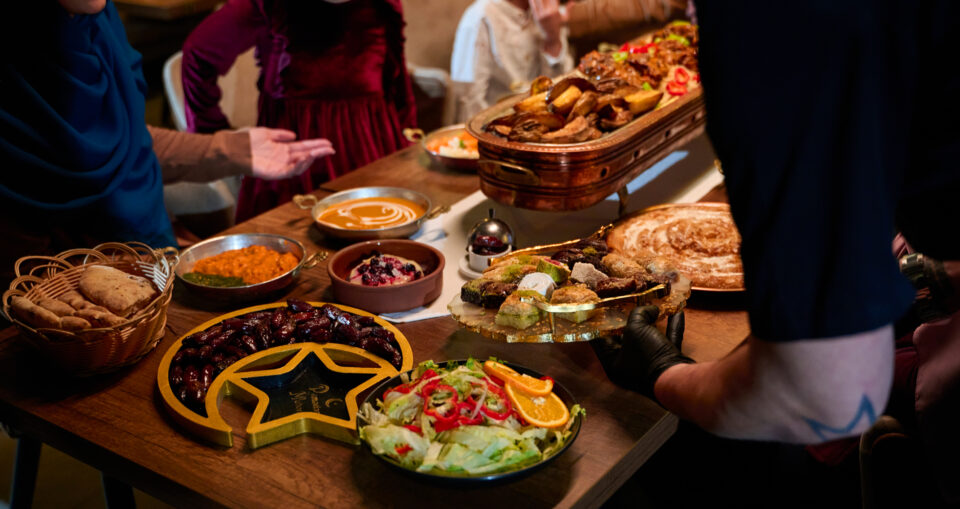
point(699, 240)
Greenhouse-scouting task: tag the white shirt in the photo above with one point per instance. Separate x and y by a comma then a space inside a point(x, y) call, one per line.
point(497, 52)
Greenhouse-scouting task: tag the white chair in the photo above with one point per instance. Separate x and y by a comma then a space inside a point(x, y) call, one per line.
point(434, 83)
point(239, 103)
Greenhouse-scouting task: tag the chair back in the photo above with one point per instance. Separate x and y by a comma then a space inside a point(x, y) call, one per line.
point(239, 94)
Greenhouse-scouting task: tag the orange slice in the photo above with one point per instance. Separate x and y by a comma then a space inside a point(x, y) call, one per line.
point(499, 370)
point(526, 383)
point(544, 411)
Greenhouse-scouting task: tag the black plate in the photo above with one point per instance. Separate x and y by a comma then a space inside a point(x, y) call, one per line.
point(558, 389)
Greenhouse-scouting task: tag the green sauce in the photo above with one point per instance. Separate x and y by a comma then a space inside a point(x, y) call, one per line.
point(199, 278)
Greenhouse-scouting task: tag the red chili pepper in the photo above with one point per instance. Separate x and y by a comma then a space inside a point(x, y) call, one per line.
point(402, 449)
point(681, 76)
point(676, 88)
point(647, 47)
point(414, 428)
point(507, 408)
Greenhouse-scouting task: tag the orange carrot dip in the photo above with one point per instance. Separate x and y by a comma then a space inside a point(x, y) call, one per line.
point(253, 264)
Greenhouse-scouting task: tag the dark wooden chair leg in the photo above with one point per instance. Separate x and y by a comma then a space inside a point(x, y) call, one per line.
point(25, 472)
point(117, 494)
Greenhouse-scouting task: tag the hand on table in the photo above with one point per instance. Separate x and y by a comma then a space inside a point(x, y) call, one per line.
point(643, 353)
point(549, 19)
point(277, 155)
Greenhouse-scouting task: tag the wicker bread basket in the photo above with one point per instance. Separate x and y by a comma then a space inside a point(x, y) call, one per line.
point(98, 350)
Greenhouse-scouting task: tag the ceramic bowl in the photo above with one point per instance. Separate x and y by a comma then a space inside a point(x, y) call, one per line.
point(392, 298)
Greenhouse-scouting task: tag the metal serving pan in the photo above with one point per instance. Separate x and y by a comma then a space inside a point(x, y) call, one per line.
point(316, 207)
point(456, 163)
point(216, 245)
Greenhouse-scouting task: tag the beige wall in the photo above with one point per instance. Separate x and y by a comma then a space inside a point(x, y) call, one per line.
point(431, 27)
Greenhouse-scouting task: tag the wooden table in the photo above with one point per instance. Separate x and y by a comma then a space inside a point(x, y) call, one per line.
point(116, 424)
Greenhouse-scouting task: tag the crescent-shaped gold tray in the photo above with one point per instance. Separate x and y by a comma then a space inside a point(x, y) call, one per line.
point(289, 387)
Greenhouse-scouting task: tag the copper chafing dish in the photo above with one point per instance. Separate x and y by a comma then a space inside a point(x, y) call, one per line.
point(573, 176)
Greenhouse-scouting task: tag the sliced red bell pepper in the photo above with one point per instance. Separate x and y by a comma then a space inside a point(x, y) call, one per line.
point(429, 373)
point(441, 426)
point(696, 77)
point(465, 411)
point(681, 76)
point(402, 389)
point(676, 88)
point(428, 409)
point(414, 428)
point(502, 396)
point(402, 449)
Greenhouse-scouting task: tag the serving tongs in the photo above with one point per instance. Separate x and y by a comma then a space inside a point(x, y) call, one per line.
point(599, 234)
point(654, 292)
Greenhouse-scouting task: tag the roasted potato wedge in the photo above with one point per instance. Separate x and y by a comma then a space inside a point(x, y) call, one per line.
point(584, 105)
point(624, 91)
point(613, 117)
point(643, 100)
point(609, 100)
point(575, 131)
point(540, 85)
point(561, 86)
point(534, 103)
point(565, 101)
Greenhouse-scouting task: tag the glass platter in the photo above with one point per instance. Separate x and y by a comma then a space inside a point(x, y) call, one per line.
point(462, 478)
point(609, 318)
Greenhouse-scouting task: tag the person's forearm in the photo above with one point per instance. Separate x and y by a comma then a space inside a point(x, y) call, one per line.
point(803, 392)
point(194, 157)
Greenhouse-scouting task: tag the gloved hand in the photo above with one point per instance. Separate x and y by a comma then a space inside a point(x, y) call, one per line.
point(643, 353)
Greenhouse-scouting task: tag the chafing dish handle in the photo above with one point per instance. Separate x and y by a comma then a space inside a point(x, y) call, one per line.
point(413, 135)
point(305, 201)
point(511, 173)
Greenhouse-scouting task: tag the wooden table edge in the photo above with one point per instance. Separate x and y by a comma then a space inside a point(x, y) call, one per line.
point(631, 462)
point(103, 458)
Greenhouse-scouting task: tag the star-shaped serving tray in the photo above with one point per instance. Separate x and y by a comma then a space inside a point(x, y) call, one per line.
point(293, 389)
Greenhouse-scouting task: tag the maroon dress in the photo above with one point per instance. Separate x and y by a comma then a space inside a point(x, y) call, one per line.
point(332, 71)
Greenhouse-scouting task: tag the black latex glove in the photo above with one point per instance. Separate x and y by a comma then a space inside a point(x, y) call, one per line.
point(638, 358)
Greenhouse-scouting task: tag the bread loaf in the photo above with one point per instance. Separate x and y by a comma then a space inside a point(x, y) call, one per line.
point(121, 293)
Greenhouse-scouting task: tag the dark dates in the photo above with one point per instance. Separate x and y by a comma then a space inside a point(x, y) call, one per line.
point(248, 343)
point(206, 354)
point(279, 318)
point(298, 306)
point(285, 334)
point(185, 356)
point(316, 330)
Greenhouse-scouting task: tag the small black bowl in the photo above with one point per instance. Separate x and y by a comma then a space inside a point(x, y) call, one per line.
point(496, 477)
